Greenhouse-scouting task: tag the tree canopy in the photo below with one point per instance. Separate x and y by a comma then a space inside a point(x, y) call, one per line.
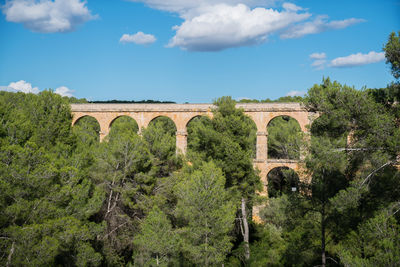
point(67, 199)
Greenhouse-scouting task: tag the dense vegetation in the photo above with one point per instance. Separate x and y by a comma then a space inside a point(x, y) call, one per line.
point(68, 200)
point(132, 102)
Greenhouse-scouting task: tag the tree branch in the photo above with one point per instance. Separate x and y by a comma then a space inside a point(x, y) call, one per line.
point(115, 229)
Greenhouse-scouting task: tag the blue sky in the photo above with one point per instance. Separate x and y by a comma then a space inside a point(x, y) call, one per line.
point(192, 50)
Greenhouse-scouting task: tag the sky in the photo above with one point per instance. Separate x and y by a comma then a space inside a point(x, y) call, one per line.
point(192, 50)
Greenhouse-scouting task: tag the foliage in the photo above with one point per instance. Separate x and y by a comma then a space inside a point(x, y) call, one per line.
point(376, 242)
point(157, 241)
point(392, 53)
point(284, 138)
point(47, 198)
point(149, 101)
point(67, 199)
point(281, 181)
point(283, 99)
point(229, 140)
point(207, 215)
point(123, 123)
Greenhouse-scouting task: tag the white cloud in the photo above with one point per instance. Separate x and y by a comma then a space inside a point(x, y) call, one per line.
point(319, 60)
point(320, 24)
point(214, 25)
point(318, 56)
point(222, 26)
point(183, 6)
point(23, 86)
point(291, 7)
point(64, 91)
point(357, 59)
point(296, 93)
point(138, 38)
point(47, 16)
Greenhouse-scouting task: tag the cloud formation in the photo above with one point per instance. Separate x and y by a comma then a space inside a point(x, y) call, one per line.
point(183, 6)
point(357, 59)
point(320, 24)
point(138, 38)
point(222, 26)
point(319, 60)
point(214, 25)
point(48, 16)
point(64, 91)
point(23, 86)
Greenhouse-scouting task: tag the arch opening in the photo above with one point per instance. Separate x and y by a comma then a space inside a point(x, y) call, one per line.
point(165, 123)
point(284, 138)
point(338, 132)
point(160, 134)
point(194, 129)
point(123, 123)
point(282, 180)
point(87, 129)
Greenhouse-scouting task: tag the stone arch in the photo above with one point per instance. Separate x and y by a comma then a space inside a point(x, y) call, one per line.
point(301, 118)
point(341, 131)
point(283, 115)
point(91, 126)
point(162, 116)
point(124, 117)
point(281, 146)
point(169, 127)
point(189, 130)
point(76, 119)
point(196, 117)
point(282, 180)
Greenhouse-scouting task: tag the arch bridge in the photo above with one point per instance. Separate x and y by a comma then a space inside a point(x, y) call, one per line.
point(182, 114)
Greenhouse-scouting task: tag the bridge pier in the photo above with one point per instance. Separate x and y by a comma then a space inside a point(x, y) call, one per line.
point(181, 142)
point(262, 146)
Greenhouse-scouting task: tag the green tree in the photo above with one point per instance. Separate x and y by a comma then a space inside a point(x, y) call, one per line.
point(381, 236)
point(46, 200)
point(229, 140)
point(161, 142)
point(124, 123)
point(122, 171)
point(338, 168)
point(207, 213)
point(156, 242)
point(284, 138)
point(392, 53)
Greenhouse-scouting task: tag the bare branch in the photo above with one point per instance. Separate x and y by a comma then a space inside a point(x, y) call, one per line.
point(115, 229)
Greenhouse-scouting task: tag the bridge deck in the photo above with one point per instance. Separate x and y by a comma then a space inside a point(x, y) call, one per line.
point(248, 107)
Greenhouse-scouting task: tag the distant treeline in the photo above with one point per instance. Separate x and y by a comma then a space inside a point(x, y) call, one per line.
point(283, 99)
point(149, 101)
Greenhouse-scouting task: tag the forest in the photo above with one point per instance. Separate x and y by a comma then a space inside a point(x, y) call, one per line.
point(67, 199)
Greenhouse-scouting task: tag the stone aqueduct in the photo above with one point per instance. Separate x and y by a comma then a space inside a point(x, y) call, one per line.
point(181, 114)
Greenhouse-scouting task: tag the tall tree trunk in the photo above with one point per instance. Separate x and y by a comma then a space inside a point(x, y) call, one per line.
point(246, 230)
point(323, 256)
point(8, 264)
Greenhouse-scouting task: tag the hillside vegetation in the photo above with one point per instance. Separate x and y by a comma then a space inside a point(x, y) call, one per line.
point(67, 199)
